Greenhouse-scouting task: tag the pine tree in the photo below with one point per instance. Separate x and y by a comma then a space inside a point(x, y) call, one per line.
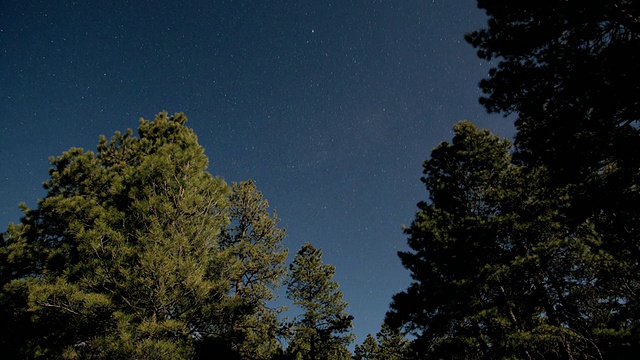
point(324, 329)
point(392, 344)
point(389, 344)
point(496, 271)
point(568, 72)
point(122, 258)
point(368, 350)
point(452, 239)
point(254, 241)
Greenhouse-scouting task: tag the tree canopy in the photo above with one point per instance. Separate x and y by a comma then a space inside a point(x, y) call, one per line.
point(496, 271)
point(528, 249)
point(254, 242)
point(388, 344)
point(323, 331)
point(533, 252)
point(138, 251)
point(568, 71)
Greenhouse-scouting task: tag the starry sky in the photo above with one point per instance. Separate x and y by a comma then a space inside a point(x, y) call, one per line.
point(329, 106)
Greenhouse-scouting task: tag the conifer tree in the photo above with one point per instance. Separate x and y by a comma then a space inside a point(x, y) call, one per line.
point(568, 73)
point(324, 329)
point(389, 344)
point(254, 241)
point(368, 350)
point(452, 240)
point(392, 344)
point(125, 257)
point(496, 271)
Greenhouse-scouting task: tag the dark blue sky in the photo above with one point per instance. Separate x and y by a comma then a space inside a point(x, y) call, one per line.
point(329, 106)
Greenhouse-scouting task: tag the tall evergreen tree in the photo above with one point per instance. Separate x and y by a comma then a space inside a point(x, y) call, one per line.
point(453, 238)
point(324, 329)
point(254, 241)
point(497, 273)
point(368, 350)
point(135, 253)
point(392, 344)
point(568, 70)
point(389, 344)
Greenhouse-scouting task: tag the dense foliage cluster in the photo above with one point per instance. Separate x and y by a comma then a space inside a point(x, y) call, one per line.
point(497, 272)
point(533, 252)
point(523, 250)
point(324, 330)
point(138, 252)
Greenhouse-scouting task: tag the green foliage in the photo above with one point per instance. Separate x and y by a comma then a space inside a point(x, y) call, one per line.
point(324, 329)
point(389, 344)
point(453, 238)
point(368, 350)
point(392, 344)
point(136, 252)
point(255, 244)
point(497, 271)
point(568, 70)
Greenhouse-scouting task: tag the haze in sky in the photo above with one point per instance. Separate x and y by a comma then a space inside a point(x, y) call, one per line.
point(329, 106)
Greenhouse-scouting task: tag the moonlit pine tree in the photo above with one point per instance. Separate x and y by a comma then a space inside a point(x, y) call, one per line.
point(323, 331)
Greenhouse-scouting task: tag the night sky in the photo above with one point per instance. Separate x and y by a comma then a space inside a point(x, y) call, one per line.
point(329, 106)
